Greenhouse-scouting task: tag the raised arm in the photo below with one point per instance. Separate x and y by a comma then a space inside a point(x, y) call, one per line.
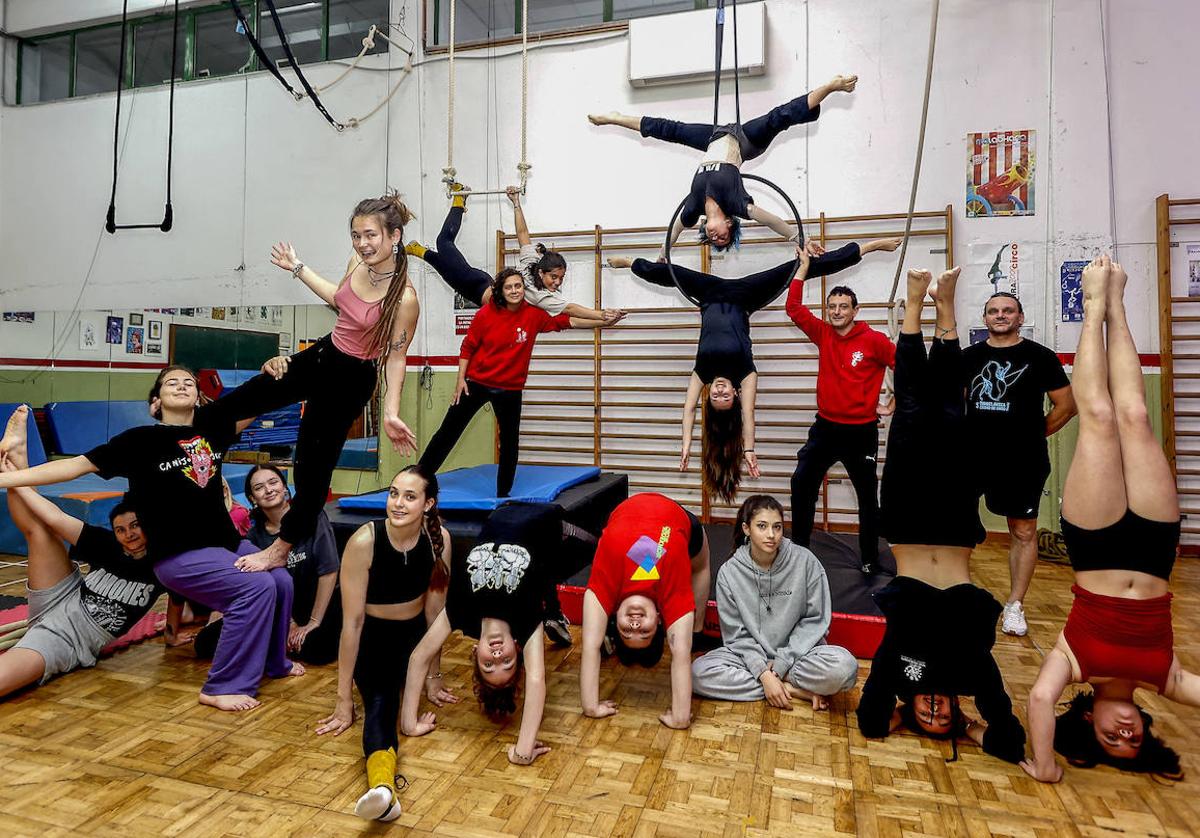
point(773, 222)
point(394, 367)
point(595, 623)
point(1052, 679)
point(418, 667)
point(749, 397)
point(514, 195)
point(528, 748)
point(283, 255)
point(679, 638)
point(356, 566)
point(55, 471)
point(695, 387)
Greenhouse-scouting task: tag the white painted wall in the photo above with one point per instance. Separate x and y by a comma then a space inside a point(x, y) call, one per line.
point(253, 166)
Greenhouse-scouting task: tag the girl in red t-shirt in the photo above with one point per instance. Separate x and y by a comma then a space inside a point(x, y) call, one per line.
point(493, 365)
point(651, 573)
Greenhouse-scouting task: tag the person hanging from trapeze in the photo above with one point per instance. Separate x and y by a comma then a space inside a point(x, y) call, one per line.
point(717, 193)
point(542, 270)
point(724, 372)
point(1121, 524)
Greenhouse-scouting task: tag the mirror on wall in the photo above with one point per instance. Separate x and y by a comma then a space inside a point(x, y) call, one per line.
point(68, 365)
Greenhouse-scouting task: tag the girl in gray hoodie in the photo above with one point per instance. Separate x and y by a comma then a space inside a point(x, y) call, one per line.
point(774, 606)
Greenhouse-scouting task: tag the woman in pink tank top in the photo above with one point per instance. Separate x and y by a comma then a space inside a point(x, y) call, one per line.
point(377, 311)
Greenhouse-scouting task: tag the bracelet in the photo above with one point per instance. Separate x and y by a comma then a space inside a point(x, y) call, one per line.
point(433, 677)
point(296, 269)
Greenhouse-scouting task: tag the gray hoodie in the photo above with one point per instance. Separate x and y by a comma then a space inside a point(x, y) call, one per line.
point(778, 614)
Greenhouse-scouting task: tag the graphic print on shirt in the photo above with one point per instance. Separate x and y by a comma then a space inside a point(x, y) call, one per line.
point(856, 358)
point(913, 668)
point(522, 335)
point(990, 387)
point(108, 598)
point(497, 566)
point(201, 455)
point(645, 554)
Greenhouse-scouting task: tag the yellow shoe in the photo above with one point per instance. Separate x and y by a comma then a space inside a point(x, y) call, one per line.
point(415, 248)
point(458, 200)
point(380, 801)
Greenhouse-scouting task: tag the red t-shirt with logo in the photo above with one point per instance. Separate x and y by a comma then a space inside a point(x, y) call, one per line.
point(850, 367)
point(644, 550)
point(499, 343)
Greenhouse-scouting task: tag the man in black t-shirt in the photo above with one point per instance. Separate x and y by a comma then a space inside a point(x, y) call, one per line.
point(1007, 379)
point(72, 616)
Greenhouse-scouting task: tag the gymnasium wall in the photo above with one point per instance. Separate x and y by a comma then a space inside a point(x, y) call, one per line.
point(252, 166)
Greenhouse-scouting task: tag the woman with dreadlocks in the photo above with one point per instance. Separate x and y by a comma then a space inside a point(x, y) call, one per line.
point(377, 311)
point(940, 627)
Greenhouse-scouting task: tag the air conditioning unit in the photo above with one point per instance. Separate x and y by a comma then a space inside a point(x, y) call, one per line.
point(677, 48)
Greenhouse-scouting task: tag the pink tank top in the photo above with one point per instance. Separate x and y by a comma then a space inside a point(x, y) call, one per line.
point(355, 319)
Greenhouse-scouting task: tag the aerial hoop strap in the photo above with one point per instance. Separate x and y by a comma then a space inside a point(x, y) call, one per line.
point(671, 225)
point(168, 220)
point(737, 93)
point(287, 50)
point(263, 58)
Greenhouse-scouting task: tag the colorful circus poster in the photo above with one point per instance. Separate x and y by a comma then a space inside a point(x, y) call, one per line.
point(1000, 167)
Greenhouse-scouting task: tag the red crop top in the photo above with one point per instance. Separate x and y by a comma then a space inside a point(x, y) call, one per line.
point(1116, 637)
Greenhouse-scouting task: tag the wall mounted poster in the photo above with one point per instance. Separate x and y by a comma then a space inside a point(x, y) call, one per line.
point(113, 330)
point(88, 340)
point(1193, 257)
point(155, 330)
point(1070, 277)
point(1000, 166)
point(133, 340)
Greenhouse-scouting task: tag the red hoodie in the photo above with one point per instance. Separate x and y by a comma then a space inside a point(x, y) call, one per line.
point(499, 343)
point(850, 367)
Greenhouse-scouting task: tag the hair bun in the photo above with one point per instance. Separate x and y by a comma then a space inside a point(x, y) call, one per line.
point(540, 248)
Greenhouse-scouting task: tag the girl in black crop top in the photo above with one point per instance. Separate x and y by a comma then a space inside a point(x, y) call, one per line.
point(498, 595)
point(394, 577)
point(717, 193)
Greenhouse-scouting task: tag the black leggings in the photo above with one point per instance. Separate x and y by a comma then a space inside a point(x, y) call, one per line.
point(448, 261)
point(755, 135)
point(748, 292)
point(384, 647)
point(319, 647)
point(506, 404)
point(921, 501)
point(336, 387)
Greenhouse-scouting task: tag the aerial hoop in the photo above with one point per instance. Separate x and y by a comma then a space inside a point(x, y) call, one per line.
point(671, 225)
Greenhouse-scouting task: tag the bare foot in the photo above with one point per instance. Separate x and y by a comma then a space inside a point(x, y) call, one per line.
point(819, 702)
point(1116, 283)
point(13, 445)
point(620, 262)
point(297, 669)
point(942, 291)
point(230, 703)
point(886, 245)
point(918, 283)
point(843, 84)
point(1096, 278)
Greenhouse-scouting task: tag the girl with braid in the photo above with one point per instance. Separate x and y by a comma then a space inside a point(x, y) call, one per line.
point(394, 576)
point(377, 311)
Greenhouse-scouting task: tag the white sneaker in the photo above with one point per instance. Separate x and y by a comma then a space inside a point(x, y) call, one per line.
point(1014, 619)
point(379, 803)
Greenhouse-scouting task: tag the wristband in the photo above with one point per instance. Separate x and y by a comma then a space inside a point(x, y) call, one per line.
point(433, 677)
point(296, 269)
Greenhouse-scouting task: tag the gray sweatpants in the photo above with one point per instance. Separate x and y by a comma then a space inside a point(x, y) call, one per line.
point(722, 675)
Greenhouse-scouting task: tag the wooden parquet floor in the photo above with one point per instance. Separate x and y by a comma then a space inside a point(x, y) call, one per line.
point(125, 750)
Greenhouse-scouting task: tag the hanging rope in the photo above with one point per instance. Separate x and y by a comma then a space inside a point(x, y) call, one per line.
point(523, 167)
point(168, 219)
point(912, 195)
point(449, 175)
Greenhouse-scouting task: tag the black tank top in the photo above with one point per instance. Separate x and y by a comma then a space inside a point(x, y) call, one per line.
point(398, 576)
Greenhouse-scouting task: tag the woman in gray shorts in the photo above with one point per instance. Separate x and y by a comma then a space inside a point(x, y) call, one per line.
point(71, 616)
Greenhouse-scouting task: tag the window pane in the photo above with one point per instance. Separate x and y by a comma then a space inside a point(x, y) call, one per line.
point(476, 20)
point(349, 21)
point(301, 21)
point(97, 52)
point(45, 70)
point(547, 15)
point(152, 51)
point(625, 9)
point(220, 49)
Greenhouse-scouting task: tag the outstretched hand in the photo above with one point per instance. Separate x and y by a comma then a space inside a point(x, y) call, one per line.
point(813, 249)
point(605, 708)
point(425, 724)
point(283, 255)
point(277, 367)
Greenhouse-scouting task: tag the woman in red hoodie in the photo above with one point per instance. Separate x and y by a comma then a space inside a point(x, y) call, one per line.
point(493, 365)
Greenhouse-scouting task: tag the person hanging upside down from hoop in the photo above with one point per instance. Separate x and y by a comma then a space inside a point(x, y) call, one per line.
point(542, 270)
point(377, 311)
point(493, 366)
point(724, 372)
point(1121, 524)
point(940, 628)
point(717, 193)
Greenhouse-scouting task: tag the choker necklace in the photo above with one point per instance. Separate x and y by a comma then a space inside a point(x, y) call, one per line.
point(375, 277)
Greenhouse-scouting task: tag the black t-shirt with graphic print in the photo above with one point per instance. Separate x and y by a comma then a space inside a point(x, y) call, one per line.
point(1006, 388)
point(723, 183)
point(174, 474)
point(118, 590)
point(307, 562)
point(507, 575)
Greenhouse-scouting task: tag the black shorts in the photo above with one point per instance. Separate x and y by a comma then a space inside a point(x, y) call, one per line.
point(1014, 492)
point(696, 536)
point(1133, 543)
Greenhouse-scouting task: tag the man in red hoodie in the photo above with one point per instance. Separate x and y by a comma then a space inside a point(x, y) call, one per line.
point(852, 360)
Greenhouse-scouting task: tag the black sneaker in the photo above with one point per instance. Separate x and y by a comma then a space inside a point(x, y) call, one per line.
point(558, 629)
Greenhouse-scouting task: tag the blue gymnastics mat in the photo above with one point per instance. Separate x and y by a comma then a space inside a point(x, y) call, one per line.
point(36, 452)
point(475, 487)
point(78, 427)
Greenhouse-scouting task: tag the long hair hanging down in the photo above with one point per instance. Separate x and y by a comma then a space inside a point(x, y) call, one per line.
point(1075, 739)
point(722, 461)
point(394, 215)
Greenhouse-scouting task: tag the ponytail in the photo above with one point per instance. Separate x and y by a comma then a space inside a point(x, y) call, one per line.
point(440, 578)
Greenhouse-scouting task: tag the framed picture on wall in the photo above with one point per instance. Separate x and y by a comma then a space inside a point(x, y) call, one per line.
point(133, 340)
point(154, 349)
point(114, 329)
point(155, 330)
point(135, 319)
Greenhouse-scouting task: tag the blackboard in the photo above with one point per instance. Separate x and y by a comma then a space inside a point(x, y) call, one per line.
point(203, 347)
